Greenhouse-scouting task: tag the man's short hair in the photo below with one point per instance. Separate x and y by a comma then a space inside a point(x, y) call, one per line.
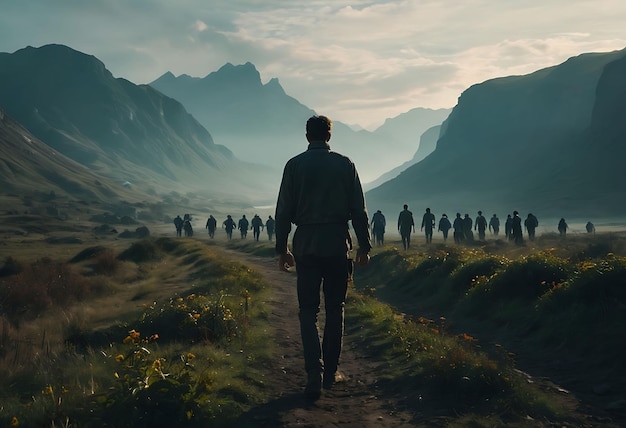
point(317, 127)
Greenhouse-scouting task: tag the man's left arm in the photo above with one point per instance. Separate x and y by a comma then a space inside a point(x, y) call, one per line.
point(360, 222)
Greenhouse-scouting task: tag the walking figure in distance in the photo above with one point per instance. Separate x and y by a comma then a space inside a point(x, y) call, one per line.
point(178, 223)
point(459, 226)
point(269, 226)
point(562, 227)
point(229, 224)
point(257, 225)
point(481, 225)
point(428, 224)
point(494, 225)
point(444, 226)
point(531, 224)
point(243, 225)
point(516, 229)
point(378, 227)
point(211, 225)
point(405, 225)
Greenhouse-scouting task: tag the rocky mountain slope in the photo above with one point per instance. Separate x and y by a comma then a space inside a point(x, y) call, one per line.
point(520, 142)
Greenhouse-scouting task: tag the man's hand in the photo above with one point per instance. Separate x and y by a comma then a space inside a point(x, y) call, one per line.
point(362, 259)
point(285, 261)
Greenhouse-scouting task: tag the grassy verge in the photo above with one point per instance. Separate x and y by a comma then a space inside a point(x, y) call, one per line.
point(188, 352)
point(560, 309)
point(448, 377)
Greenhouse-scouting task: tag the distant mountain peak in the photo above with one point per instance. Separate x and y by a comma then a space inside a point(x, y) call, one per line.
point(61, 59)
point(237, 73)
point(274, 85)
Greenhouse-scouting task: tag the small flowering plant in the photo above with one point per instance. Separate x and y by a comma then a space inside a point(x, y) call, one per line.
point(154, 389)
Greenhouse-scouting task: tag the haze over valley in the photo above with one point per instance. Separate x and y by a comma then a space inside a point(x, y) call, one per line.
point(548, 142)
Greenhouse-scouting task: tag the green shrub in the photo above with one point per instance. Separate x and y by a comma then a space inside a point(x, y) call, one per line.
point(527, 278)
point(141, 251)
point(192, 318)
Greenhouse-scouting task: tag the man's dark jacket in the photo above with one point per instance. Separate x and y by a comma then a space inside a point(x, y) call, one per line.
point(319, 193)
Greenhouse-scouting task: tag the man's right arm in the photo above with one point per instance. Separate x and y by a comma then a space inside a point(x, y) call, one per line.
point(282, 217)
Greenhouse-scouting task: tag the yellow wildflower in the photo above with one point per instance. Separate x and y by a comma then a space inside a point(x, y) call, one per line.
point(14, 422)
point(119, 358)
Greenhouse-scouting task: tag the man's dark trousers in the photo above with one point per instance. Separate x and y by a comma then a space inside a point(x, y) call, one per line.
point(331, 275)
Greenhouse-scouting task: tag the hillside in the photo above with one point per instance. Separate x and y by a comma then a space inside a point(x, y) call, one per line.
point(28, 167)
point(126, 132)
point(513, 143)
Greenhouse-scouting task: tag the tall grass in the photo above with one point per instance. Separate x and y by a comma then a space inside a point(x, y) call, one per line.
point(444, 376)
point(191, 359)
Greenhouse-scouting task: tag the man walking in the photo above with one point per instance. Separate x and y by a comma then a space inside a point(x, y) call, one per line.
point(405, 225)
point(320, 191)
point(428, 224)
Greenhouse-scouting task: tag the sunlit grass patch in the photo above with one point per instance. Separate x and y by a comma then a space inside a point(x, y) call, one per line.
point(527, 278)
point(432, 365)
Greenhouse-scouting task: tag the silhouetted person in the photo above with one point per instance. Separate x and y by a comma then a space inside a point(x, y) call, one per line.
point(494, 225)
point(516, 228)
point(187, 227)
point(562, 227)
point(590, 227)
point(229, 224)
point(405, 225)
point(467, 228)
point(444, 226)
point(211, 225)
point(531, 224)
point(481, 225)
point(187, 217)
point(321, 192)
point(269, 227)
point(428, 224)
point(508, 227)
point(243, 226)
point(458, 226)
point(178, 223)
point(378, 227)
point(257, 225)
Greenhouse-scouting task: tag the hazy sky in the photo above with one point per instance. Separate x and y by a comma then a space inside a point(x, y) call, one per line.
point(358, 62)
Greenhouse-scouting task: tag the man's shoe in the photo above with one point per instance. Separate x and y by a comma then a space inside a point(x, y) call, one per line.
point(313, 388)
point(331, 379)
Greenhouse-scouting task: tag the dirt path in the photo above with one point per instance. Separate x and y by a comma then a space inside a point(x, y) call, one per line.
point(355, 402)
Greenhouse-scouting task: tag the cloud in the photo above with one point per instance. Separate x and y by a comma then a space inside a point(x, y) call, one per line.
point(359, 61)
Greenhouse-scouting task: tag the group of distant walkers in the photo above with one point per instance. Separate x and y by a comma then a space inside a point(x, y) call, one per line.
point(243, 225)
point(463, 227)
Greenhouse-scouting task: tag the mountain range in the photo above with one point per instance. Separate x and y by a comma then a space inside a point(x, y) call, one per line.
point(261, 123)
point(549, 142)
point(128, 133)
